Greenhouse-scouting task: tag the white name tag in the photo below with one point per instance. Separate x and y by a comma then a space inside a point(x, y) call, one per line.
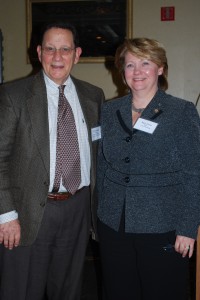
point(145, 125)
point(96, 133)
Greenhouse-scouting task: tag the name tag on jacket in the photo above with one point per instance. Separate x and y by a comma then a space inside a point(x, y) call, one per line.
point(96, 133)
point(145, 125)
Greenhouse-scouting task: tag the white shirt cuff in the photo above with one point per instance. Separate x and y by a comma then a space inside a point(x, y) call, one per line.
point(9, 216)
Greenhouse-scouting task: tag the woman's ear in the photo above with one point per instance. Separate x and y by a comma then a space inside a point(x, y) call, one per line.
point(160, 71)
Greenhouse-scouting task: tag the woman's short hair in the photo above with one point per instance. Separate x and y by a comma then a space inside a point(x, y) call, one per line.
point(144, 48)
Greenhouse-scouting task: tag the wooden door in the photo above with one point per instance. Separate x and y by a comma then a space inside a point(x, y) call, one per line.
point(198, 267)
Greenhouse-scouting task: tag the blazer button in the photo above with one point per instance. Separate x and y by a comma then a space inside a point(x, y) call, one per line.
point(127, 159)
point(128, 139)
point(127, 179)
point(42, 204)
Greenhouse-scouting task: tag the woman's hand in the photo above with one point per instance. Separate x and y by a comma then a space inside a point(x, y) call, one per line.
point(184, 245)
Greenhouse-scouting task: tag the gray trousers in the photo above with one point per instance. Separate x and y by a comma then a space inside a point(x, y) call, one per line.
point(52, 267)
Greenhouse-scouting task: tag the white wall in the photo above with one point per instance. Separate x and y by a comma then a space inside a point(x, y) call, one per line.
point(180, 37)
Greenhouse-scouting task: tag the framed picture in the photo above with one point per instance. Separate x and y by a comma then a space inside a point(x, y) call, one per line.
point(102, 24)
point(1, 57)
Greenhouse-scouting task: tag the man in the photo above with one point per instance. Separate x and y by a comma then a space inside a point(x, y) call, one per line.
point(44, 222)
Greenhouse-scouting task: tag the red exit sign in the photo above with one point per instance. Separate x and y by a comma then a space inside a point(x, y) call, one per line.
point(168, 13)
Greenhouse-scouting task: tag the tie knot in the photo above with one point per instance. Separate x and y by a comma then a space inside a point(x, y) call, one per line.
point(61, 89)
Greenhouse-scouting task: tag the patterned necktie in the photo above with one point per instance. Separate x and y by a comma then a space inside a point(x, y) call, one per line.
point(67, 149)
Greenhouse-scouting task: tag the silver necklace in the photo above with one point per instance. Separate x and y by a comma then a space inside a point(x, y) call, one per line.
point(137, 110)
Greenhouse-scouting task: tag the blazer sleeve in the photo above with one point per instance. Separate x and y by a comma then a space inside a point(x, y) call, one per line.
point(187, 138)
point(8, 125)
point(101, 162)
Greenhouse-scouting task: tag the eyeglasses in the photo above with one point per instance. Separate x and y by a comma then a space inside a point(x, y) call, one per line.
point(52, 50)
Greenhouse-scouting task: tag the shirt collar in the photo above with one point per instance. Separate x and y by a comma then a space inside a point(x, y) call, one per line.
point(54, 86)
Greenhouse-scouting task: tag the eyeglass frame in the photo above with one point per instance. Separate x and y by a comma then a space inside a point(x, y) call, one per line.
point(49, 50)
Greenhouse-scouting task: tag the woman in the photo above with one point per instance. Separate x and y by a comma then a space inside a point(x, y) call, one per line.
point(148, 181)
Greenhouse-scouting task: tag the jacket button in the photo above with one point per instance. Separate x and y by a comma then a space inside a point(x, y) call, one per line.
point(42, 204)
point(127, 159)
point(128, 139)
point(127, 179)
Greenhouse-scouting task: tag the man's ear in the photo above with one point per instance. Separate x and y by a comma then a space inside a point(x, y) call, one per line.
point(77, 54)
point(39, 52)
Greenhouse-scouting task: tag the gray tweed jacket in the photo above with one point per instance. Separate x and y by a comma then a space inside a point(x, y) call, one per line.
point(156, 177)
point(24, 148)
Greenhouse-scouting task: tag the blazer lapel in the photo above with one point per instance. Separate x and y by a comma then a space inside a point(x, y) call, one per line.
point(89, 108)
point(124, 115)
point(38, 112)
point(154, 109)
point(151, 112)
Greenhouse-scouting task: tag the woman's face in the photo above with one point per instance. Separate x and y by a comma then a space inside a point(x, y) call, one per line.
point(141, 74)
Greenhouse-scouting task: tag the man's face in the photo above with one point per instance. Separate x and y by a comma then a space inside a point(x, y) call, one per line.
point(58, 65)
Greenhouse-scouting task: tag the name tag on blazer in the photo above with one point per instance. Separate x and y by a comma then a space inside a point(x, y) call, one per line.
point(145, 125)
point(96, 133)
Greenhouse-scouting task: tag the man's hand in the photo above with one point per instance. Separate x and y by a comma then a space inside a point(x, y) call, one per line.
point(10, 233)
point(184, 245)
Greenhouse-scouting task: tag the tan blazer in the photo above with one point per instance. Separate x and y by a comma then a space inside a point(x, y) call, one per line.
point(24, 148)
